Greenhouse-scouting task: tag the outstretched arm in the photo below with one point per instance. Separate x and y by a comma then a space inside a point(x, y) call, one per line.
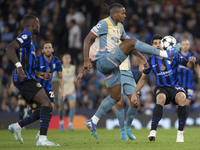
point(86, 47)
point(80, 75)
point(141, 59)
point(139, 86)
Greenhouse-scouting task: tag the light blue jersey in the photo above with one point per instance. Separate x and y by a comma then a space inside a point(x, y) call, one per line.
point(109, 35)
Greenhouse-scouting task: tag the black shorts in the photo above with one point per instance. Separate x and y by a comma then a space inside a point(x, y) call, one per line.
point(28, 88)
point(170, 93)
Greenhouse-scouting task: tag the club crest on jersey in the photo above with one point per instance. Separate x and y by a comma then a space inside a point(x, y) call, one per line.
point(157, 91)
point(113, 51)
point(163, 67)
point(38, 85)
point(34, 105)
point(48, 70)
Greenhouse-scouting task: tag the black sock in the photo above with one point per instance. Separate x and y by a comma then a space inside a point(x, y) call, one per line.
point(182, 115)
point(32, 118)
point(157, 115)
point(44, 119)
point(21, 111)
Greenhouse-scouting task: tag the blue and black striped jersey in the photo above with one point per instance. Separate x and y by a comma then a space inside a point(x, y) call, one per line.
point(42, 65)
point(26, 54)
point(185, 75)
point(166, 71)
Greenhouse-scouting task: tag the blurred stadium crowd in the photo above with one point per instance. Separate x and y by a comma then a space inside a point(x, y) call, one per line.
point(65, 23)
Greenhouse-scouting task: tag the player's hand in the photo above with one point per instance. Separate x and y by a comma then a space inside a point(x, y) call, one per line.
point(192, 59)
point(141, 67)
point(87, 64)
point(79, 77)
point(135, 99)
point(47, 76)
point(20, 73)
point(146, 65)
point(62, 95)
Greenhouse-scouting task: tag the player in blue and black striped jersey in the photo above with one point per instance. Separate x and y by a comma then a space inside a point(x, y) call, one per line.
point(167, 88)
point(185, 74)
point(46, 64)
point(22, 53)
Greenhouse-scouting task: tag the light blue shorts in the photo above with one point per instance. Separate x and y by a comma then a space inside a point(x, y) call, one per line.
point(70, 97)
point(109, 66)
point(127, 83)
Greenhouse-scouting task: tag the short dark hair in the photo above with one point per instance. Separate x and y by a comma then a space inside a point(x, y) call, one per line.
point(156, 37)
point(115, 7)
point(27, 18)
point(46, 43)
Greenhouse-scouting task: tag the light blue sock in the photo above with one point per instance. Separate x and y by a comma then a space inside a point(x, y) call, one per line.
point(105, 106)
point(131, 112)
point(146, 48)
point(71, 114)
point(60, 114)
point(120, 117)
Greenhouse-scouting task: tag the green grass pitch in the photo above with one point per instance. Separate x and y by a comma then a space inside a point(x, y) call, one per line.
point(108, 140)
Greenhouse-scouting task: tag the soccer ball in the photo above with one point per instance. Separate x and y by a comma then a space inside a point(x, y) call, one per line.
point(168, 42)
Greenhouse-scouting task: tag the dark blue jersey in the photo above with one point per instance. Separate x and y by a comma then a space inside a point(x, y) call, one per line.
point(166, 71)
point(42, 65)
point(26, 54)
point(185, 75)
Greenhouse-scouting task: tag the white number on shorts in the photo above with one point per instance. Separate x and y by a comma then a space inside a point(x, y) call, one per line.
point(51, 94)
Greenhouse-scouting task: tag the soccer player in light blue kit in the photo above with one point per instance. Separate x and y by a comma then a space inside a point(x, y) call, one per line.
point(107, 53)
point(127, 88)
point(69, 75)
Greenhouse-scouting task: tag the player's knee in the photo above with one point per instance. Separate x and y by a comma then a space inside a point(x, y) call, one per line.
point(116, 96)
point(120, 105)
point(181, 99)
point(135, 104)
point(161, 98)
point(131, 43)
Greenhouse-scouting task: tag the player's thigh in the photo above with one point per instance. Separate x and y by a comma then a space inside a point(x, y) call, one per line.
point(42, 98)
point(33, 92)
point(110, 61)
point(127, 46)
point(72, 100)
point(162, 96)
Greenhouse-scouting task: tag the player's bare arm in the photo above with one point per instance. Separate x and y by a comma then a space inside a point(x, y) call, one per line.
point(80, 75)
point(139, 86)
point(86, 47)
point(11, 53)
point(141, 59)
point(61, 83)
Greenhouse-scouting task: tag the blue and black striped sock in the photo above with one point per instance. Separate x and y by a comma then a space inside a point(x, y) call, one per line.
point(45, 118)
point(31, 118)
point(157, 115)
point(182, 115)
